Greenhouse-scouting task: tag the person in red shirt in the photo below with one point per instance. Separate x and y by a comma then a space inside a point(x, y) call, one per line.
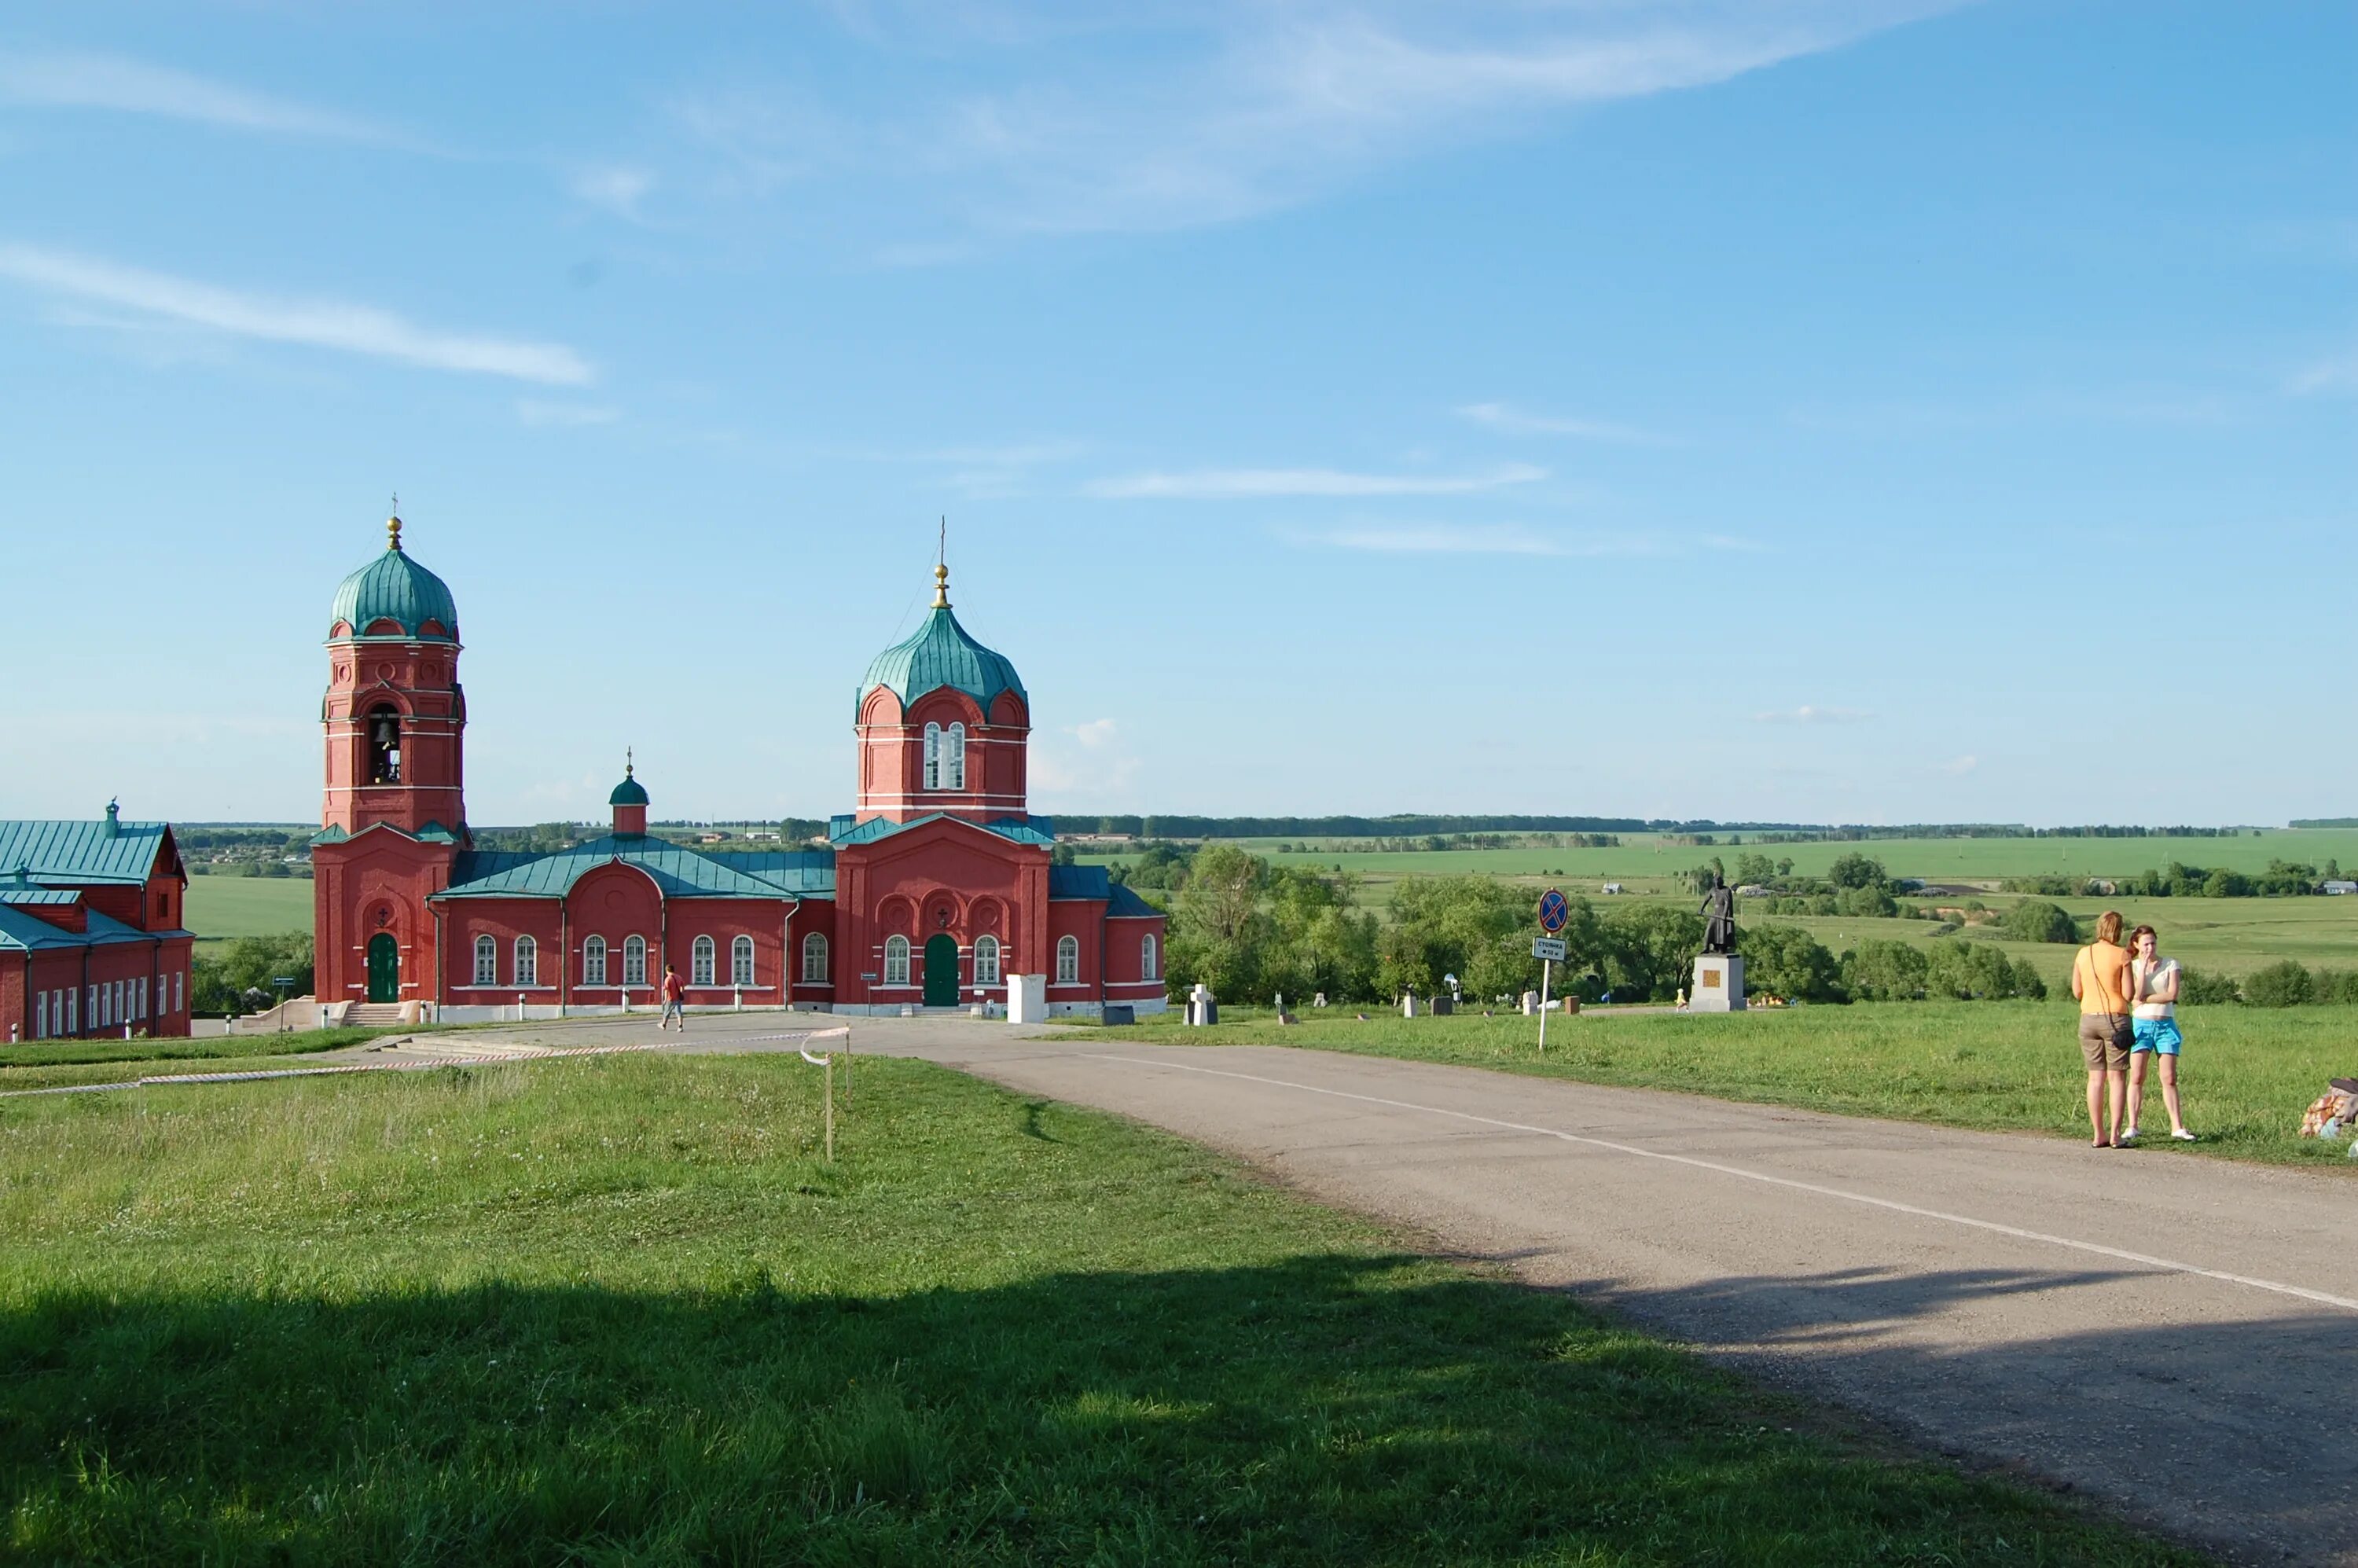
point(674, 999)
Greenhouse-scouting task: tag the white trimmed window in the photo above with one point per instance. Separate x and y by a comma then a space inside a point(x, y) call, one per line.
point(41, 1016)
point(815, 959)
point(73, 1012)
point(896, 960)
point(933, 756)
point(634, 960)
point(593, 961)
point(179, 990)
point(986, 960)
point(954, 758)
point(741, 961)
point(487, 962)
point(1068, 960)
point(1146, 956)
point(528, 961)
point(700, 967)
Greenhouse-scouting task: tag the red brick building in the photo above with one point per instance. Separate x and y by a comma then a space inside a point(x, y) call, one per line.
point(90, 930)
point(932, 892)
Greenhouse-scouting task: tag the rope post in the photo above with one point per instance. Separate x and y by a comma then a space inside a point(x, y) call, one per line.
point(828, 1091)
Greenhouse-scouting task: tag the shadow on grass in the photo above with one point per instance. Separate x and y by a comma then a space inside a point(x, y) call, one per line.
point(1331, 1408)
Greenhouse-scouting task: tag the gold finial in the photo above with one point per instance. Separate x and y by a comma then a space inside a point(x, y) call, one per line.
point(629, 766)
point(941, 569)
point(392, 525)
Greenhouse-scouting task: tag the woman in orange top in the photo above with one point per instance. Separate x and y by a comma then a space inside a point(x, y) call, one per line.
point(2100, 978)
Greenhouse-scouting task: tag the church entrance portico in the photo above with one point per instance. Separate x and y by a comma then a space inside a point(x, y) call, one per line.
point(941, 970)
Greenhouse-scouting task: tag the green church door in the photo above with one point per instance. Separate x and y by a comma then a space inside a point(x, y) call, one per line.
point(385, 968)
point(941, 970)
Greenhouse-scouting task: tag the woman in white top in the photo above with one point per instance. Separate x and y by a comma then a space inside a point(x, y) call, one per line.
point(2153, 986)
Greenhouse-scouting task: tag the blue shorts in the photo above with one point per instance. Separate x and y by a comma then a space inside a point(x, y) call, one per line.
point(2158, 1035)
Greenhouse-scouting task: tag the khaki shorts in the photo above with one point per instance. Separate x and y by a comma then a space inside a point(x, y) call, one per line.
point(2104, 1040)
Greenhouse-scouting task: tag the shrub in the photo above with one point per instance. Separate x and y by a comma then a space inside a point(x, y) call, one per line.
point(1786, 961)
point(1978, 971)
point(1867, 902)
point(2035, 920)
point(2199, 989)
point(1884, 971)
point(2286, 984)
point(1856, 870)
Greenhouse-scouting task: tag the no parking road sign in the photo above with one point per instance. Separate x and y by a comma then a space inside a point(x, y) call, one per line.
point(1554, 911)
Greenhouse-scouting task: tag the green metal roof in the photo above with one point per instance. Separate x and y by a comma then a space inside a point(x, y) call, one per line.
point(677, 870)
point(394, 587)
point(108, 851)
point(432, 833)
point(1020, 831)
point(22, 933)
point(630, 792)
point(941, 654)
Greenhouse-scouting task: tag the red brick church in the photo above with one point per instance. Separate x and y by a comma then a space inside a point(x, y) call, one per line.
point(932, 893)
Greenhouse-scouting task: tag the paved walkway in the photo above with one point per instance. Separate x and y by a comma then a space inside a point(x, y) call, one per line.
point(2176, 1336)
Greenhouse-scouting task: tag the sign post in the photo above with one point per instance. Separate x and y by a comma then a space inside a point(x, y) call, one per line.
point(1554, 911)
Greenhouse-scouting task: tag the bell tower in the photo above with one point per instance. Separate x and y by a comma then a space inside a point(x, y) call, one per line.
point(394, 716)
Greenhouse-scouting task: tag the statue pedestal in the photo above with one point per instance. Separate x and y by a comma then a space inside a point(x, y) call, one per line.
point(1718, 984)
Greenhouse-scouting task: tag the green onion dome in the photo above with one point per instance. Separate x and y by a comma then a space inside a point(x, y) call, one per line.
point(394, 587)
point(941, 653)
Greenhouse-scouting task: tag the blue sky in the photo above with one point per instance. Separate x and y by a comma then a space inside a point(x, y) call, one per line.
point(1808, 409)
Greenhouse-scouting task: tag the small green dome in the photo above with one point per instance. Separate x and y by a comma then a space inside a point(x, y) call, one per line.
point(630, 792)
point(394, 587)
point(941, 654)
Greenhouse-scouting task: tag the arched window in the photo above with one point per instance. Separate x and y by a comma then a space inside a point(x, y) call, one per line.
point(954, 758)
point(933, 756)
point(593, 961)
point(1068, 960)
point(1146, 957)
point(487, 962)
point(527, 963)
point(700, 968)
point(815, 959)
point(385, 745)
point(634, 960)
point(986, 960)
point(741, 961)
point(896, 960)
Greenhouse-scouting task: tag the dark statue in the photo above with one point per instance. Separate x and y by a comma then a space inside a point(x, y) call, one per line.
point(1719, 919)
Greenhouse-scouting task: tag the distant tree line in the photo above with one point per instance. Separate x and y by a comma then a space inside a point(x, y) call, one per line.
point(2283, 879)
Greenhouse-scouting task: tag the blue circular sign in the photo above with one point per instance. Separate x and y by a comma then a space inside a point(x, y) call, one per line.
point(1554, 911)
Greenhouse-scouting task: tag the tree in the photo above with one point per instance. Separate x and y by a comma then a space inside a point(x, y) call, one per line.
point(1885, 971)
point(1649, 950)
point(245, 976)
point(2034, 920)
point(1753, 868)
point(1786, 961)
point(1856, 870)
point(2286, 984)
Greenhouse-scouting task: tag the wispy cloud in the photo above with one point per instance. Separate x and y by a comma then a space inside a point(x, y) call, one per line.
point(534, 411)
point(617, 188)
point(1473, 539)
point(2328, 375)
point(1810, 714)
point(78, 80)
point(1516, 422)
point(319, 323)
point(1957, 767)
point(1234, 484)
point(1239, 108)
point(1095, 733)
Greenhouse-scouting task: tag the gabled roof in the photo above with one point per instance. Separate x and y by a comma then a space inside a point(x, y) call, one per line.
point(1079, 881)
point(677, 870)
point(102, 852)
point(805, 873)
point(1016, 829)
point(941, 653)
point(1122, 904)
point(23, 933)
point(432, 833)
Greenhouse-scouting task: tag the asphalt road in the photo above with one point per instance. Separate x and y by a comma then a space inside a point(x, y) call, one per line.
point(2176, 1336)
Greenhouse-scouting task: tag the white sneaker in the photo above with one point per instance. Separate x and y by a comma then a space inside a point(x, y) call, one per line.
point(2130, 1136)
point(2182, 1135)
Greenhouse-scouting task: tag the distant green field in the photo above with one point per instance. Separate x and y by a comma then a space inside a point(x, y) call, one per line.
point(223, 907)
point(1646, 855)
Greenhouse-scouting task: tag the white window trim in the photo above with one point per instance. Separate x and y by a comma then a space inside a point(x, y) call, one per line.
point(594, 947)
point(896, 949)
point(634, 951)
point(487, 946)
point(933, 756)
point(526, 969)
point(1068, 960)
point(814, 946)
point(1148, 959)
point(703, 962)
point(954, 757)
point(986, 960)
point(742, 972)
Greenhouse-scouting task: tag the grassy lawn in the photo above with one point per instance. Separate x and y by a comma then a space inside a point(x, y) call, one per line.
point(2014, 1066)
point(219, 908)
point(616, 1312)
point(51, 1063)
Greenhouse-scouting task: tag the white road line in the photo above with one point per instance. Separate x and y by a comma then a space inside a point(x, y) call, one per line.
point(2169, 1264)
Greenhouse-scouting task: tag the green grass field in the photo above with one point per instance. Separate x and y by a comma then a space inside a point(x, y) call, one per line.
point(617, 1312)
point(223, 907)
point(2248, 1073)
